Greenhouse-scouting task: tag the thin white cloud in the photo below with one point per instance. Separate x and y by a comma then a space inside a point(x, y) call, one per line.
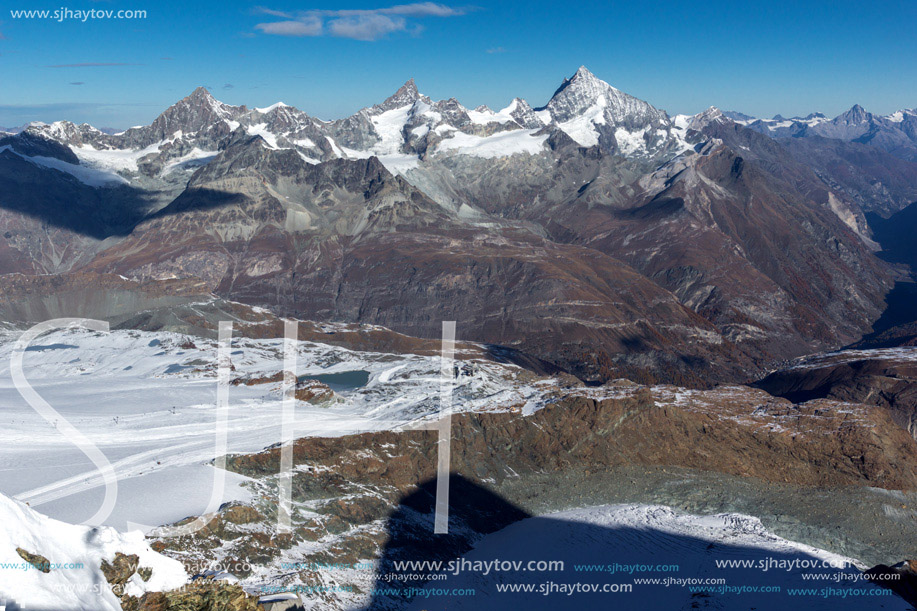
point(272, 12)
point(358, 24)
point(366, 27)
point(418, 9)
point(305, 27)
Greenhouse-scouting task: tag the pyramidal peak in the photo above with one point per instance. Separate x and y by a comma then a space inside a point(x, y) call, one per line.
point(582, 84)
point(856, 114)
point(201, 94)
point(584, 74)
point(407, 94)
point(587, 98)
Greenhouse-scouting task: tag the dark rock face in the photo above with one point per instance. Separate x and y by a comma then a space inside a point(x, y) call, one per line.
point(817, 443)
point(884, 378)
point(900, 579)
point(760, 219)
point(120, 570)
point(31, 145)
point(31, 299)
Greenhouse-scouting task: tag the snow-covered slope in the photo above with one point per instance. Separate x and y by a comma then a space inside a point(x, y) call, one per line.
point(147, 400)
point(74, 581)
point(618, 544)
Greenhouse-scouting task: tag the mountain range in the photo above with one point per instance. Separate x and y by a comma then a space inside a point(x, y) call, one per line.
point(595, 233)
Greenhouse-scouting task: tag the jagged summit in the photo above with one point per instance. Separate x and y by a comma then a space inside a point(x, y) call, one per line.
point(585, 92)
point(592, 112)
point(705, 118)
point(582, 76)
point(583, 85)
point(856, 114)
point(406, 95)
point(200, 92)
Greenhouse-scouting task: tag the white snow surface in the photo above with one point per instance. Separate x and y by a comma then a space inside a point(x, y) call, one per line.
point(502, 144)
point(113, 160)
point(582, 127)
point(388, 126)
point(75, 553)
point(273, 106)
point(261, 130)
point(150, 406)
point(486, 115)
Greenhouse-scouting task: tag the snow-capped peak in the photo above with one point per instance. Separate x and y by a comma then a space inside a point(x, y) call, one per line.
point(583, 77)
point(593, 112)
point(705, 118)
point(579, 92)
point(274, 106)
point(584, 92)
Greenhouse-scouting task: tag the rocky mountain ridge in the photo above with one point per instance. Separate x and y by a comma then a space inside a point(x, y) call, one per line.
point(595, 232)
point(895, 133)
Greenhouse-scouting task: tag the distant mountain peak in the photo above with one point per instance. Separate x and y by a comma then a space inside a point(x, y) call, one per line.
point(738, 116)
point(584, 84)
point(705, 118)
point(586, 100)
point(584, 73)
point(201, 97)
point(592, 112)
point(710, 114)
point(406, 95)
point(856, 114)
point(201, 93)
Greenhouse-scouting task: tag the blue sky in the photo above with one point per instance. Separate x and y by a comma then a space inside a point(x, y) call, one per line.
point(330, 59)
